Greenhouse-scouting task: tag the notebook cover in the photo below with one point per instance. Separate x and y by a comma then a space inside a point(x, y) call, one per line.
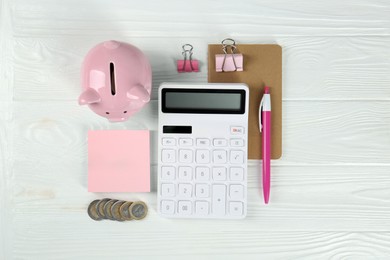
point(118, 161)
point(262, 66)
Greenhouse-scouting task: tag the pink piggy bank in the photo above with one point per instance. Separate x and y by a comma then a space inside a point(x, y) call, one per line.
point(116, 80)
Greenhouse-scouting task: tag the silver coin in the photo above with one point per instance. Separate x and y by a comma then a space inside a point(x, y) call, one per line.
point(116, 214)
point(107, 209)
point(138, 210)
point(124, 210)
point(100, 208)
point(92, 210)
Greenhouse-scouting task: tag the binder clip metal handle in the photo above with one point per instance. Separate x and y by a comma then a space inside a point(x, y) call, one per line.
point(229, 62)
point(187, 64)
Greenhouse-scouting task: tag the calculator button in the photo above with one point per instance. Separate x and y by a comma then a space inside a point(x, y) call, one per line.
point(185, 190)
point(220, 142)
point(202, 156)
point(237, 157)
point(185, 173)
point(236, 174)
point(168, 173)
point(236, 208)
point(185, 156)
point(219, 156)
point(185, 142)
point(202, 142)
point(237, 142)
point(168, 190)
point(185, 207)
point(202, 190)
point(237, 130)
point(167, 207)
point(168, 156)
point(219, 173)
point(202, 174)
point(168, 141)
point(236, 191)
point(202, 208)
point(218, 199)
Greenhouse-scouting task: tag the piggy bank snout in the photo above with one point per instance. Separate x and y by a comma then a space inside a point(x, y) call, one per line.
point(118, 119)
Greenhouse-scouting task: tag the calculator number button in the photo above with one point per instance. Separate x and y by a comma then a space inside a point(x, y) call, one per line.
point(185, 156)
point(219, 156)
point(185, 142)
point(168, 141)
point(167, 207)
point(202, 142)
point(219, 173)
point(168, 173)
point(220, 142)
point(202, 174)
point(237, 142)
point(185, 207)
point(185, 173)
point(237, 157)
point(168, 156)
point(202, 190)
point(202, 156)
point(185, 190)
point(168, 190)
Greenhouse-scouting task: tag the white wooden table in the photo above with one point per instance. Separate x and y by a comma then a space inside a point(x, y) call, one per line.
point(330, 191)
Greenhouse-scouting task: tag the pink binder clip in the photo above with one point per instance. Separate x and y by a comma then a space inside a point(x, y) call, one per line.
point(188, 64)
point(229, 62)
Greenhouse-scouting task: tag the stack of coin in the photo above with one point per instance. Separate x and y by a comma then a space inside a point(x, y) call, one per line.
point(117, 210)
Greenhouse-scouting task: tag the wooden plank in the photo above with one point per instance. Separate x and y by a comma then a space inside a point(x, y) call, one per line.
point(5, 144)
point(138, 240)
point(303, 198)
point(314, 133)
point(171, 19)
point(319, 68)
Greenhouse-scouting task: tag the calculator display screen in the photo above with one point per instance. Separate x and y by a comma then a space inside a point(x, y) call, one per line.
point(204, 101)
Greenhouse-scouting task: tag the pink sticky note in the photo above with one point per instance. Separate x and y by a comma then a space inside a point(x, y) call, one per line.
point(118, 161)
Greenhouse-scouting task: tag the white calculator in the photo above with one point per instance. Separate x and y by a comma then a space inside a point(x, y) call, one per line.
point(202, 150)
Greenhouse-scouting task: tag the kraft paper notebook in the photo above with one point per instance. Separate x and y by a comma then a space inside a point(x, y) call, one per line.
point(262, 66)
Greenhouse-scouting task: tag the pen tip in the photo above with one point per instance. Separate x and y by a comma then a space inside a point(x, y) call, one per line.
point(266, 90)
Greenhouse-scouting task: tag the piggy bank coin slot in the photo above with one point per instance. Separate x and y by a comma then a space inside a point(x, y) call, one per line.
point(112, 78)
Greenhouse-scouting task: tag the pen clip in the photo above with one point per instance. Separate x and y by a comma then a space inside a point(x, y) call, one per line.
point(261, 114)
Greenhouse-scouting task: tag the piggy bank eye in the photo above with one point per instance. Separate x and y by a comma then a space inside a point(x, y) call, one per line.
point(125, 112)
point(107, 113)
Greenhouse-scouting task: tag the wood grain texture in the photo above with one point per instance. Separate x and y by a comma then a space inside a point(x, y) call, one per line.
point(330, 196)
point(321, 68)
point(316, 198)
point(176, 244)
point(205, 19)
point(5, 144)
point(328, 133)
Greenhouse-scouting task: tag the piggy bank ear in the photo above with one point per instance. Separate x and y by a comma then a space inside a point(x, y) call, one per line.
point(138, 93)
point(89, 96)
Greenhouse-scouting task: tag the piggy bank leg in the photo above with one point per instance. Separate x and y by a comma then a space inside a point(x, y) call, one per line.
point(139, 93)
point(89, 96)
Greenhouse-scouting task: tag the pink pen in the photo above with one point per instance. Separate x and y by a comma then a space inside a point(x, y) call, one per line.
point(265, 128)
